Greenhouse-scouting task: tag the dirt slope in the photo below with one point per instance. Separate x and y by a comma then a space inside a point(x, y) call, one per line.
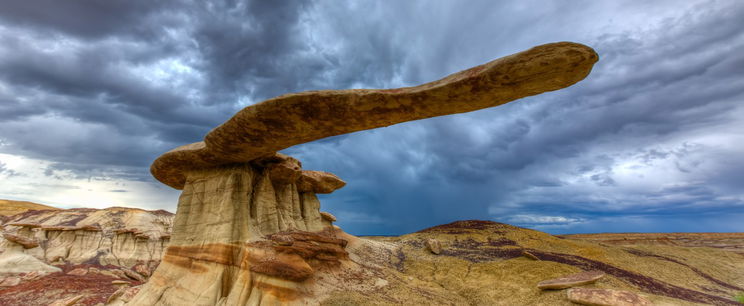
point(482, 264)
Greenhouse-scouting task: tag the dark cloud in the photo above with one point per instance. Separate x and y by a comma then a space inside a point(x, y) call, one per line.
point(88, 19)
point(100, 89)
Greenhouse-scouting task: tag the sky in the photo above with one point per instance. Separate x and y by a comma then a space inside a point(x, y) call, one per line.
point(91, 92)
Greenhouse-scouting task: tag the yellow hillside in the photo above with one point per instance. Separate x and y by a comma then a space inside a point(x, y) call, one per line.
point(10, 207)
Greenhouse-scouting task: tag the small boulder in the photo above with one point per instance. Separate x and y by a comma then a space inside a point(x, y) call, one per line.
point(78, 272)
point(530, 255)
point(608, 297)
point(434, 246)
point(578, 279)
point(327, 216)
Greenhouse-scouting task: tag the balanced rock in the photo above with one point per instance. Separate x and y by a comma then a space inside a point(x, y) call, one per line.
point(605, 297)
point(248, 229)
point(578, 279)
point(433, 246)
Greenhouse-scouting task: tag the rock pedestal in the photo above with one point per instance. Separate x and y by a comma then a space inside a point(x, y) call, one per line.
point(244, 235)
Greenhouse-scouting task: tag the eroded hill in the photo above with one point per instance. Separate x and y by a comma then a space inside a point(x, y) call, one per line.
point(52, 254)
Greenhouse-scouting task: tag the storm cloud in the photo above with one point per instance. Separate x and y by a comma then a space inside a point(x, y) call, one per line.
point(92, 91)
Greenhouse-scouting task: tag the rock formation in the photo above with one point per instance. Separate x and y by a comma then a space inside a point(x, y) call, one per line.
point(123, 237)
point(72, 256)
point(248, 229)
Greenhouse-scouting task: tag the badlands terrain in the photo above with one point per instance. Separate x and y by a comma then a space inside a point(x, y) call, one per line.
point(249, 230)
point(91, 257)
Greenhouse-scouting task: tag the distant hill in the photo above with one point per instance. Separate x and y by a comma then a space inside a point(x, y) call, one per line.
point(10, 207)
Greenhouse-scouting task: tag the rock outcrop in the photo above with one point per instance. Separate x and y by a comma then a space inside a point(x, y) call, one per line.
point(248, 229)
point(73, 256)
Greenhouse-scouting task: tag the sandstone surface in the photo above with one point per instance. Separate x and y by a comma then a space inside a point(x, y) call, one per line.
point(606, 297)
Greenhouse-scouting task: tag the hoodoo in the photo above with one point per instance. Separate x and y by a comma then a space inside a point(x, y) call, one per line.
point(248, 229)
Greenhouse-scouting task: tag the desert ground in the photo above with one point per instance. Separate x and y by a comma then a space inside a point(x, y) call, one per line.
point(479, 262)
